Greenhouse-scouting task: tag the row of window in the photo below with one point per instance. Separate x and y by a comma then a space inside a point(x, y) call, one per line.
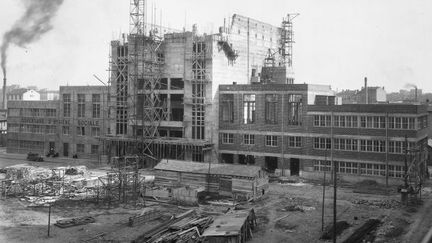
point(96, 98)
point(363, 145)
point(39, 145)
point(293, 108)
point(395, 147)
point(81, 148)
point(32, 112)
point(81, 106)
point(395, 171)
point(270, 140)
point(378, 122)
point(51, 129)
point(27, 128)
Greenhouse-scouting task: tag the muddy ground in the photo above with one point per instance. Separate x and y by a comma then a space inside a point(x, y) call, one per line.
point(287, 213)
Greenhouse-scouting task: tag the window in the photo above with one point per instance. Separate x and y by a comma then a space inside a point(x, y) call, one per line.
point(65, 130)
point(295, 109)
point(295, 142)
point(227, 107)
point(81, 131)
point(249, 108)
point(66, 105)
point(50, 112)
point(249, 139)
point(270, 108)
point(322, 143)
point(66, 98)
point(94, 149)
point(227, 138)
point(50, 129)
point(95, 131)
point(271, 141)
point(80, 148)
point(322, 165)
point(322, 121)
point(96, 108)
point(81, 105)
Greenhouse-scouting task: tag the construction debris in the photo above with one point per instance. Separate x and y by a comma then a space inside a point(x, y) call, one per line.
point(145, 217)
point(360, 233)
point(340, 227)
point(378, 203)
point(66, 223)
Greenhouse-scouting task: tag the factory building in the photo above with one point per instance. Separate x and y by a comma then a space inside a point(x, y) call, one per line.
point(298, 130)
point(70, 126)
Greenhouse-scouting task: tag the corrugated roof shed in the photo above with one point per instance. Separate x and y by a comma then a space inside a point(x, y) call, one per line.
point(202, 168)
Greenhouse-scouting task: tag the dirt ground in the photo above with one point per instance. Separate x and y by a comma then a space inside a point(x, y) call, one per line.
point(278, 220)
point(287, 213)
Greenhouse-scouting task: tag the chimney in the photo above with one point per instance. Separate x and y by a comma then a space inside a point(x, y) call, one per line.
point(4, 92)
point(366, 91)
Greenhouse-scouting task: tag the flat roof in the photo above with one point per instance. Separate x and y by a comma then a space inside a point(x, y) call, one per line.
point(203, 168)
point(227, 225)
point(371, 108)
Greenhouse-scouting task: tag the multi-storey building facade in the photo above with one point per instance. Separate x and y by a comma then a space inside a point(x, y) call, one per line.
point(164, 87)
point(70, 126)
point(296, 130)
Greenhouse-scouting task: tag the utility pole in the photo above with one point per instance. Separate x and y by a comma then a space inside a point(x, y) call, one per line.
point(49, 218)
point(334, 178)
point(324, 182)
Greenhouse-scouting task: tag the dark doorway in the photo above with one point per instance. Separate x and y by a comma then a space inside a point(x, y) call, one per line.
point(66, 149)
point(271, 163)
point(227, 158)
point(51, 146)
point(295, 166)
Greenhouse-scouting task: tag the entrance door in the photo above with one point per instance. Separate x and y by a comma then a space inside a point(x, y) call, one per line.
point(65, 149)
point(295, 166)
point(271, 163)
point(51, 148)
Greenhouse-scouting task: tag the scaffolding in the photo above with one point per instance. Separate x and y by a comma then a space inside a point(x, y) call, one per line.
point(286, 40)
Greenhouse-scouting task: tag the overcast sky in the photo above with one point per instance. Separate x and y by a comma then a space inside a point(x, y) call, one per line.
point(338, 42)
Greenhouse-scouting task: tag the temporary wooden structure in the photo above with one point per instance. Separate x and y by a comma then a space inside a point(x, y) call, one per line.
point(240, 181)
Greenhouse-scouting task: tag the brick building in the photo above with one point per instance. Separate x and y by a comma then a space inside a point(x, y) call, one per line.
point(70, 126)
point(290, 128)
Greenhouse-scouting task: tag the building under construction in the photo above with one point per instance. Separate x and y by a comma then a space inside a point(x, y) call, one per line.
point(163, 82)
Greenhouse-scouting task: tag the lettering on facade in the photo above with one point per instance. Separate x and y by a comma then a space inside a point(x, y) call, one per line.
point(58, 121)
point(88, 123)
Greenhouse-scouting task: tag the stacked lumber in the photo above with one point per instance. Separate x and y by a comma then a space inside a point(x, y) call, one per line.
point(146, 217)
point(185, 227)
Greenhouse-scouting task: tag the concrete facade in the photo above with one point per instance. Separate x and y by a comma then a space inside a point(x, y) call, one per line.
point(235, 55)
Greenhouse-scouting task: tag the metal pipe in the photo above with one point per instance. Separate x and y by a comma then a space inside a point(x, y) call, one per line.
point(366, 91)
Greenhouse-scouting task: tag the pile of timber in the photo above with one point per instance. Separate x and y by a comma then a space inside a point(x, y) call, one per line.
point(146, 217)
point(66, 223)
point(363, 231)
point(185, 227)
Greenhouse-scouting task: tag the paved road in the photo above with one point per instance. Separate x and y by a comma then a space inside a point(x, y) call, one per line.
point(14, 159)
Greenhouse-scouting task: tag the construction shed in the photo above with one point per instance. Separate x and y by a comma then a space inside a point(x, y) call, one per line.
point(233, 227)
point(242, 182)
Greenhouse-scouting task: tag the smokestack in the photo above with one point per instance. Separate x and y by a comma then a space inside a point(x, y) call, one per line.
point(4, 92)
point(366, 91)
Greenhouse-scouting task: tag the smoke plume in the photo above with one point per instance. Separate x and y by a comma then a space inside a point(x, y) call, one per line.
point(35, 22)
